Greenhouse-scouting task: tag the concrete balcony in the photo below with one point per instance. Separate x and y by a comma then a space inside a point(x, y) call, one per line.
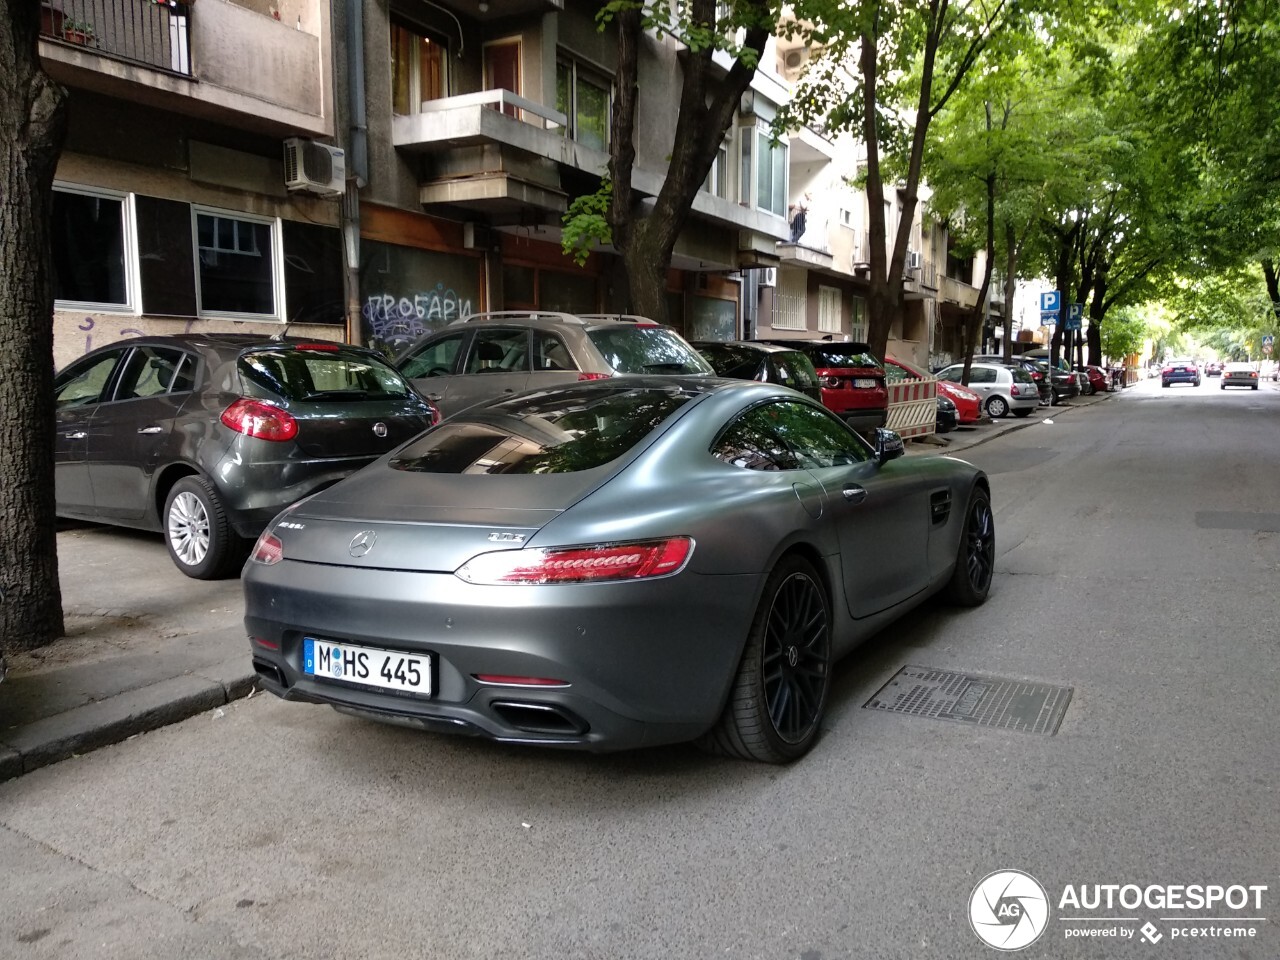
point(220, 61)
point(960, 294)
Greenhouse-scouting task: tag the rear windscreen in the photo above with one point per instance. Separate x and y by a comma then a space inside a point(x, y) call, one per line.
point(636, 349)
point(555, 431)
point(1022, 376)
point(320, 375)
point(842, 355)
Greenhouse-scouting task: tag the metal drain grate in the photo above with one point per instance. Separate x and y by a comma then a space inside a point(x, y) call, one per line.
point(988, 701)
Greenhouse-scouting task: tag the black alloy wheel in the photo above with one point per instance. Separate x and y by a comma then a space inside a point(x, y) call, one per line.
point(976, 557)
point(779, 697)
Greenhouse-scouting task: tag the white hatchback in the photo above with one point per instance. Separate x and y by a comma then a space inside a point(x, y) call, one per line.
point(1004, 389)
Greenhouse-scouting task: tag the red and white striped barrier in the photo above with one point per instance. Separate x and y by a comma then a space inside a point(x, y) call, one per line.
point(913, 407)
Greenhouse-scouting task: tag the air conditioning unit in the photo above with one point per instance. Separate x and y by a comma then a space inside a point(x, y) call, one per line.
point(913, 259)
point(769, 277)
point(313, 167)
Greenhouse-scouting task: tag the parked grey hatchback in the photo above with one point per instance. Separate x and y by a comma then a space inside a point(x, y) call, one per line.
point(486, 356)
point(207, 437)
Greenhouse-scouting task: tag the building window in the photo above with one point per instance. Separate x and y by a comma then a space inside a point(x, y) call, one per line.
point(858, 323)
point(717, 182)
point(92, 238)
point(585, 97)
point(237, 264)
point(829, 309)
point(419, 69)
point(764, 172)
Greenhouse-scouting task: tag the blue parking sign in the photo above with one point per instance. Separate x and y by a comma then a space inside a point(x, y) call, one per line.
point(1074, 312)
point(1050, 305)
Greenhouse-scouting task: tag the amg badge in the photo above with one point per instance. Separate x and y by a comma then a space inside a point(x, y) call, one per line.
point(506, 537)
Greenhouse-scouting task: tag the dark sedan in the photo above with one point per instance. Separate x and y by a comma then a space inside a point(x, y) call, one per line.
point(1180, 371)
point(766, 362)
point(207, 437)
point(618, 563)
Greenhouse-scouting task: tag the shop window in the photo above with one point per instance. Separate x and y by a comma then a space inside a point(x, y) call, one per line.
point(236, 264)
point(585, 97)
point(419, 68)
point(93, 261)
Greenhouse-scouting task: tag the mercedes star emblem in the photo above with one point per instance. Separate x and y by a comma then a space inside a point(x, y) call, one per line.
point(362, 543)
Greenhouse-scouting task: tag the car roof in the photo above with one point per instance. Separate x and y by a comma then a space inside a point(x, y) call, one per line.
point(547, 319)
point(224, 342)
point(757, 345)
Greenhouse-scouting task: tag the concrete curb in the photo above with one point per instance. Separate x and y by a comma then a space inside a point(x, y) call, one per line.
point(1020, 424)
point(109, 721)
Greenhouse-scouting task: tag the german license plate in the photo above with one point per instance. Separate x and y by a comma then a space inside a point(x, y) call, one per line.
point(864, 383)
point(367, 666)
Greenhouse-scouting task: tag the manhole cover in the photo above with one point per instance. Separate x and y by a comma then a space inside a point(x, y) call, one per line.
point(987, 701)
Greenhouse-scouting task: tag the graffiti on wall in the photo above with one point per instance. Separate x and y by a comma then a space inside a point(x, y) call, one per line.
point(398, 321)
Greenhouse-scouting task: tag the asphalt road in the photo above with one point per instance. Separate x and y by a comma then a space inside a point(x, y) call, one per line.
point(1139, 557)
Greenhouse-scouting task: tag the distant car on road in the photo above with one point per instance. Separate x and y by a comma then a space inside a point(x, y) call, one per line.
point(766, 362)
point(1180, 371)
point(613, 564)
point(206, 437)
point(1213, 369)
point(1239, 374)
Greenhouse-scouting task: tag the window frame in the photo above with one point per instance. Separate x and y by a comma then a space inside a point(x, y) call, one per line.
point(829, 322)
point(275, 242)
point(419, 33)
point(597, 78)
point(129, 246)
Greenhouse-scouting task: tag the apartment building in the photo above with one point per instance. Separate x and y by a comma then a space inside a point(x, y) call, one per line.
point(374, 169)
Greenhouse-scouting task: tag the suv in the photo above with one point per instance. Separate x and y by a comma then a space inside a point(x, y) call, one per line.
point(851, 378)
point(487, 355)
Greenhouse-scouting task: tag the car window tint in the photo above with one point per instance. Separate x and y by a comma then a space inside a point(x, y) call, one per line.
point(732, 361)
point(1021, 376)
point(550, 353)
point(842, 355)
point(628, 348)
point(786, 435)
point(500, 350)
point(83, 382)
point(894, 373)
point(319, 375)
point(795, 370)
point(433, 358)
point(559, 431)
point(149, 372)
point(184, 380)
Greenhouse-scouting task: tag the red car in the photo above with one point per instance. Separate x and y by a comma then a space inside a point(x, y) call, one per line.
point(851, 378)
point(968, 404)
point(1099, 382)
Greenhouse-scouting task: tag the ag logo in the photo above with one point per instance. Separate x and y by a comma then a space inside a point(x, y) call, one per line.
point(1008, 910)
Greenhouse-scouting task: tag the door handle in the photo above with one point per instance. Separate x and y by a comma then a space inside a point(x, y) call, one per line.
point(854, 493)
point(151, 429)
point(76, 435)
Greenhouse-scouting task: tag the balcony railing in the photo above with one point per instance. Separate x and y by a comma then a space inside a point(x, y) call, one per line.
point(154, 34)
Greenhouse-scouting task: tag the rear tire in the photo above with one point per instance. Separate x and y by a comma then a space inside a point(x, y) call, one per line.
point(997, 407)
point(976, 557)
point(197, 532)
point(779, 696)
point(1022, 414)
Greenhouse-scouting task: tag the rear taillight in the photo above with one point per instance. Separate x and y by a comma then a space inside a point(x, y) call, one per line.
point(597, 563)
point(254, 418)
point(324, 347)
point(593, 376)
point(268, 549)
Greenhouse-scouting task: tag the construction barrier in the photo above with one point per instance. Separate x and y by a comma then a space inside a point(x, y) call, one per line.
point(913, 407)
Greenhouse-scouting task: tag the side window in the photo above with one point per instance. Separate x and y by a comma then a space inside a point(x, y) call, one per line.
point(950, 373)
point(786, 435)
point(500, 350)
point(550, 353)
point(435, 358)
point(982, 375)
point(149, 372)
point(895, 374)
point(83, 382)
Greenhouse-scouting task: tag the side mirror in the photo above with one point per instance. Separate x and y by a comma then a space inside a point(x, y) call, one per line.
point(889, 446)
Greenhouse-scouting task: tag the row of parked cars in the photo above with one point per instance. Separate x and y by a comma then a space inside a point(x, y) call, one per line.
point(206, 437)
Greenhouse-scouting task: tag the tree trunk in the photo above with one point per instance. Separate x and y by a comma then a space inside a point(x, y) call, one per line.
point(1010, 288)
point(1273, 285)
point(707, 105)
point(32, 127)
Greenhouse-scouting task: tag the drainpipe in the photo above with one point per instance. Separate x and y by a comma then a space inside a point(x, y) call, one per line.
point(358, 165)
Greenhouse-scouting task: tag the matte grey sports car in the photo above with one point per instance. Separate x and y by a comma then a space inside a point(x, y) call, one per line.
point(613, 564)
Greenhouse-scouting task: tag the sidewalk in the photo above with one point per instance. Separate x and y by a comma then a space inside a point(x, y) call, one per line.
point(146, 646)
